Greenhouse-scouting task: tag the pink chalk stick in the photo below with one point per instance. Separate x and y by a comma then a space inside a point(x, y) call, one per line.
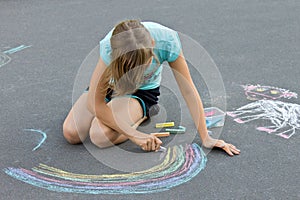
point(208, 114)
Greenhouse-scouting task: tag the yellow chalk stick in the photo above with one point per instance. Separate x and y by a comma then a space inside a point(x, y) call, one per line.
point(166, 124)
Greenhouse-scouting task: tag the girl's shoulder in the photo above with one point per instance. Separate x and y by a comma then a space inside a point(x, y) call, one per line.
point(155, 25)
point(159, 31)
point(167, 41)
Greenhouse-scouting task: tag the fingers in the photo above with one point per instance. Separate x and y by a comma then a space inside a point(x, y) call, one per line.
point(234, 149)
point(231, 149)
point(151, 144)
point(158, 143)
point(228, 151)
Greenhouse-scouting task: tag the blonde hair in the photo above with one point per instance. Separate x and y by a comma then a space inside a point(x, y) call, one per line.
point(132, 48)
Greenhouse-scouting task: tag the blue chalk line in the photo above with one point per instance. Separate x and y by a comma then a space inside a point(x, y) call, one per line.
point(16, 49)
point(42, 141)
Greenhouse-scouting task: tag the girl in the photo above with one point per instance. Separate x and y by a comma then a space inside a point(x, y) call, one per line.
point(125, 85)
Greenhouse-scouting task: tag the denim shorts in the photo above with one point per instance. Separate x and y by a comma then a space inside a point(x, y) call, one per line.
point(146, 98)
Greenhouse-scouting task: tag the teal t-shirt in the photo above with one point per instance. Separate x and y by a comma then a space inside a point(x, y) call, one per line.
point(167, 48)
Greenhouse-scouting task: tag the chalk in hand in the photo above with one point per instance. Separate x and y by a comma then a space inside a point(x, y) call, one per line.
point(161, 134)
point(162, 149)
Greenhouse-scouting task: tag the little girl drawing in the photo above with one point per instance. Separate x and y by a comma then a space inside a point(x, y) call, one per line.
point(125, 85)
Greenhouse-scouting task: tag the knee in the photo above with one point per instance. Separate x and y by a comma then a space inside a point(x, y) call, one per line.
point(99, 137)
point(71, 134)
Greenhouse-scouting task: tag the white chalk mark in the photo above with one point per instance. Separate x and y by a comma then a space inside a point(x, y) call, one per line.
point(285, 117)
point(43, 139)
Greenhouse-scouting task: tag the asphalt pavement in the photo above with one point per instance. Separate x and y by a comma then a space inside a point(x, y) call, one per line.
point(44, 67)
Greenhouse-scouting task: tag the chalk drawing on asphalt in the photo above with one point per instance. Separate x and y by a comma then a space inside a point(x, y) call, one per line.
point(42, 140)
point(5, 59)
point(284, 117)
point(258, 92)
point(180, 165)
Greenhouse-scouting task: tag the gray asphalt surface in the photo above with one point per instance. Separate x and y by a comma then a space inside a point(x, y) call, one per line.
point(251, 42)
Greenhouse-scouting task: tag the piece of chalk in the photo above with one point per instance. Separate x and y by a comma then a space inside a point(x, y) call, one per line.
point(173, 131)
point(163, 149)
point(166, 124)
point(161, 134)
point(210, 124)
point(180, 129)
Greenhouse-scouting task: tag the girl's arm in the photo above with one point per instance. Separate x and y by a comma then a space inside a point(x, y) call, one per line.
point(97, 106)
point(194, 103)
point(98, 71)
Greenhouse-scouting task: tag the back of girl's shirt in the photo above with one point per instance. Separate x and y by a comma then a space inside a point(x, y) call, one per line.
point(167, 48)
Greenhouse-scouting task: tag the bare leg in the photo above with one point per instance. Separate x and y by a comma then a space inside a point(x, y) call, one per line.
point(129, 109)
point(78, 122)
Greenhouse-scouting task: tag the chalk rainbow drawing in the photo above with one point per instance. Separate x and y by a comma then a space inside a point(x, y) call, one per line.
point(285, 117)
point(4, 58)
point(42, 140)
point(258, 92)
point(180, 165)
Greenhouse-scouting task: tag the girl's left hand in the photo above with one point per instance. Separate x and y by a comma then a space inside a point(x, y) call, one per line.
point(229, 148)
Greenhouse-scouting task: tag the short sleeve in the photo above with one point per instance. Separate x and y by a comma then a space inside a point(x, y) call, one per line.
point(105, 49)
point(167, 42)
point(173, 47)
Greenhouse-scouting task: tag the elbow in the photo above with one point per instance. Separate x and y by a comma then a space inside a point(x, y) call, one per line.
point(188, 91)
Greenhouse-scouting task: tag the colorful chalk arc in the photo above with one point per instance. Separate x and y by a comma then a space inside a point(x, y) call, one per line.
point(180, 165)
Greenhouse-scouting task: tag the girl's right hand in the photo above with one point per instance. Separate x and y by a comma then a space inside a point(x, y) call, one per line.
point(147, 142)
